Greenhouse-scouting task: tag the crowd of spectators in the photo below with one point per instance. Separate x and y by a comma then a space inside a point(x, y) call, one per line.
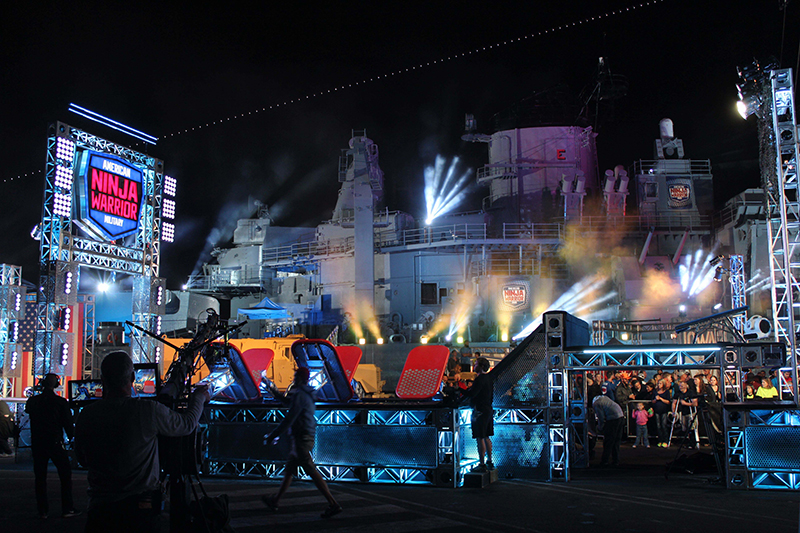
point(672, 399)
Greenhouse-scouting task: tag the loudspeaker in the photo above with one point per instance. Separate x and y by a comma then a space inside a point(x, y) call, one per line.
point(443, 476)
point(562, 330)
point(751, 356)
point(730, 355)
point(774, 354)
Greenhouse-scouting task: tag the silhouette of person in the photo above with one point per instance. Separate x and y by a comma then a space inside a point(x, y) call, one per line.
point(300, 420)
point(116, 439)
point(50, 418)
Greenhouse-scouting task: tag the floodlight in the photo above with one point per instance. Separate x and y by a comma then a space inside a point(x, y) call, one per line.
point(718, 307)
point(504, 336)
point(423, 340)
point(65, 319)
point(63, 177)
point(168, 208)
point(62, 204)
point(624, 336)
point(65, 149)
point(460, 339)
point(362, 341)
point(64, 354)
point(380, 340)
point(103, 286)
point(68, 283)
point(167, 232)
point(170, 185)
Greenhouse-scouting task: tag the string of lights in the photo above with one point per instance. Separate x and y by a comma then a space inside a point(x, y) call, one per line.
point(402, 71)
point(422, 65)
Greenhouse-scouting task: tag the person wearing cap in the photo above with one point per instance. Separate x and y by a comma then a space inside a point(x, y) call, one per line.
point(610, 420)
point(50, 418)
point(302, 427)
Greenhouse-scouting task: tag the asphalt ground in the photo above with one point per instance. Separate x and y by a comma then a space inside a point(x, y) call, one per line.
point(634, 497)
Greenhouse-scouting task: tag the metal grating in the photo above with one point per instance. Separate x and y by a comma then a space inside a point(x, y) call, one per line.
point(772, 448)
point(522, 375)
point(388, 446)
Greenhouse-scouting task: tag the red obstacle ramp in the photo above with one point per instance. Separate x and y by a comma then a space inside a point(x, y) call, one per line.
point(422, 374)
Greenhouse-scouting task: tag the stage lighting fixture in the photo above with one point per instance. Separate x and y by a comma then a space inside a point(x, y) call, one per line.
point(65, 149)
point(105, 121)
point(380, 340)
point(448, 338)
point(681, 310)
point(14, 356)
point(624, 336)
point(504, 336)
point(460, 339)
point(185, 286)
point(159, 295)
point(716, 260)
point(103, 286)
point(17, 302)
point(423, 340)
point(170, 186)
point(718, 274)
point(65, 319)
point(62, 204)
point(64, 354)
point(15, 333)
point(167, 232)
point(362, 341)
point(63, 177)
point(757, 327)
point(67, 282)
point(718, 307)
point(168, 208)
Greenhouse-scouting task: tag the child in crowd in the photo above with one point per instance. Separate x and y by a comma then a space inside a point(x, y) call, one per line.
point(641, 417)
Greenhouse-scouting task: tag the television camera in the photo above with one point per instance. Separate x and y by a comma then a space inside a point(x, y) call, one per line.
point(180, 457)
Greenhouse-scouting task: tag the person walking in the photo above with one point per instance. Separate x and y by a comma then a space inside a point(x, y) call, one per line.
point(50, 418)
point(302, 426)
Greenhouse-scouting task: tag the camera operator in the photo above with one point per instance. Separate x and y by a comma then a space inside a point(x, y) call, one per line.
point(116, 439)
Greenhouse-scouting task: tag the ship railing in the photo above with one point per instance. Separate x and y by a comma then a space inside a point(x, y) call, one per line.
point(677, 167)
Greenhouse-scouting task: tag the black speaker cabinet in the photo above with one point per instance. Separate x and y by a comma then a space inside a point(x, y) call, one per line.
point(563, 330)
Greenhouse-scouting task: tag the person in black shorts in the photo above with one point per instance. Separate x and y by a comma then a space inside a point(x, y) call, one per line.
point(302, 425)
point(480, 395)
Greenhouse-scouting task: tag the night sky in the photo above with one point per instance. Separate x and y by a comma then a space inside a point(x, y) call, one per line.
point(164, 69)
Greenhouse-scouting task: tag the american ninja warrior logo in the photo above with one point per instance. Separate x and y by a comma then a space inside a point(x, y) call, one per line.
point(113, 195)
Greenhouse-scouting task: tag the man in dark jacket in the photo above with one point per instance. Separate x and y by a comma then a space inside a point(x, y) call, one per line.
point(50, 417)
point(302, 425)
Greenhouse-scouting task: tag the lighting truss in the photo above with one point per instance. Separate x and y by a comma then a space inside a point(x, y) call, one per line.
point(664, 356)
point(783, 208)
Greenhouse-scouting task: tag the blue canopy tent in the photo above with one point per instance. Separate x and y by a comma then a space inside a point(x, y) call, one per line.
point(266, 309)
